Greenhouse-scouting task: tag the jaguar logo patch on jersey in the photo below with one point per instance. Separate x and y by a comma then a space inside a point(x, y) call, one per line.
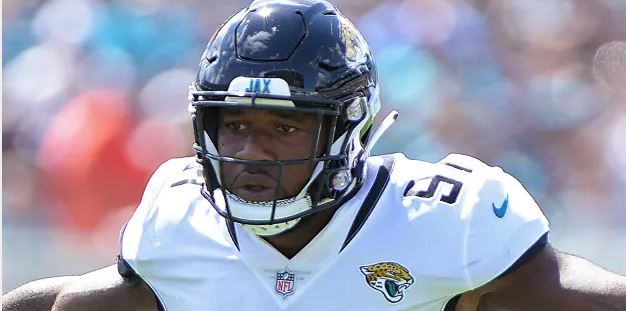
point(389, 278)
point(285, 282)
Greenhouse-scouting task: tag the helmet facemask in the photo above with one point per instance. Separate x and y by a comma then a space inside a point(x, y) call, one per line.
point(300, 56)
point(337, 166)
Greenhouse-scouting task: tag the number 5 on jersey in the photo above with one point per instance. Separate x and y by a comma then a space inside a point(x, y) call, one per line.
point(435, 183)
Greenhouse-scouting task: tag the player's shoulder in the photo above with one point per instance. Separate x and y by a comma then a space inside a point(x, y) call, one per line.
point(452, 164)
point(485, 212)
point(459, 187)
point(177, 168)
point(168, 184)
point(454, 167)
point(166, 196)
point(170, 206)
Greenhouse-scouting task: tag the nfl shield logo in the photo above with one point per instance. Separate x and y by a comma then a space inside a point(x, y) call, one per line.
point(285, 282)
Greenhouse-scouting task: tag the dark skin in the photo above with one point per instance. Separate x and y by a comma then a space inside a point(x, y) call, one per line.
point(261, 134)
point(549, 281)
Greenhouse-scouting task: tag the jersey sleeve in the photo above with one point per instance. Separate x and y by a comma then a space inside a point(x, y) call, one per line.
point(501, 219)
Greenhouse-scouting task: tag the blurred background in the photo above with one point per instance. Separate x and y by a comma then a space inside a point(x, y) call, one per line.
point(94, 99)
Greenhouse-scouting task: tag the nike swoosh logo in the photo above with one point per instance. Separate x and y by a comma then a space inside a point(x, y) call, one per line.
point(501, 211)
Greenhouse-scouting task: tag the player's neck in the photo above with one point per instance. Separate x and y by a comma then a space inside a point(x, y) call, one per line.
point(293, 241)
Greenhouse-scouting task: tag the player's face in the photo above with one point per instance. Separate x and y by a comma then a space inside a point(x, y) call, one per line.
point(260, 134)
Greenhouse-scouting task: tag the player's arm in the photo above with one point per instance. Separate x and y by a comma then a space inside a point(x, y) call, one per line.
point(35, 295)
point(550, 281)
point(103, 289)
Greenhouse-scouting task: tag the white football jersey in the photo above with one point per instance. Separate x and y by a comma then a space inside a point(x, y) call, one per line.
point(412, 238)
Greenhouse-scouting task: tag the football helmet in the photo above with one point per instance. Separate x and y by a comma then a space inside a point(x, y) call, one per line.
point(297, 55)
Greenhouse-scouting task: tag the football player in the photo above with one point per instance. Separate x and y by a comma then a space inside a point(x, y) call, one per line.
point(283, 208)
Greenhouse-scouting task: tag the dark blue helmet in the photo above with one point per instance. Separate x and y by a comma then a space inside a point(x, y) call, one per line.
point(321, 65)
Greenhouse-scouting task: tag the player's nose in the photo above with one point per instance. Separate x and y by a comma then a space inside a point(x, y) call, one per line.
point(255, 147)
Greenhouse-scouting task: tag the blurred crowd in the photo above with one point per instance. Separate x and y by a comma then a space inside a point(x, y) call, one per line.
point(94, 99)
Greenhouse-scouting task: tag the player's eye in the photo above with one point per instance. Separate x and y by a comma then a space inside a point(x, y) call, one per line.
point(284, 128)
point(235, 126)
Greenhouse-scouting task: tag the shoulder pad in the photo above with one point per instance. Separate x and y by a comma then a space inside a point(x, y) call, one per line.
point(494, 219)
point(502, 220)
point(464, 162)
point(173, 173)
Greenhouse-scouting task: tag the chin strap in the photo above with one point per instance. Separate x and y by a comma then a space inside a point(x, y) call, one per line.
point(251, 210)
point(270, 230)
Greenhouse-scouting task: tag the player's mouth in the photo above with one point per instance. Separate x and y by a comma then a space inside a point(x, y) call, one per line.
point(255, 187)
point(256, 193)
